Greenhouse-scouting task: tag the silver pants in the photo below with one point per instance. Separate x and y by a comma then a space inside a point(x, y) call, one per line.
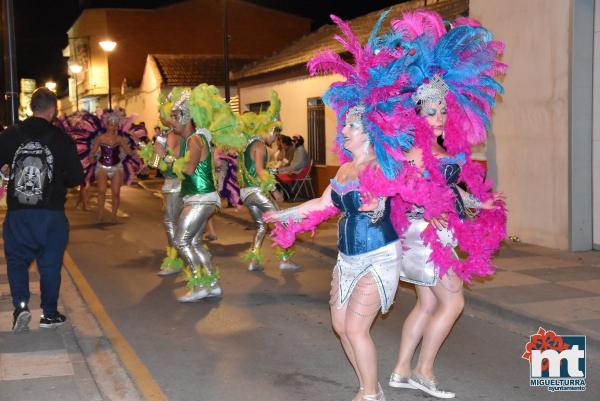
point(188, 236)
point(173, 205)
point(259, 203)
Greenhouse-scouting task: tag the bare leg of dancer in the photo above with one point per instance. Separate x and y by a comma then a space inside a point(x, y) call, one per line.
point(102, 182)
point(413, 328)
point(115, 187)
point(355, 325)
point(338, 317)
point(449, 293)
point(211, 233)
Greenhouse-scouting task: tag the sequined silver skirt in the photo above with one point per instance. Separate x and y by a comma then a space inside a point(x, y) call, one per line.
point(416, 267)
point(384, 265)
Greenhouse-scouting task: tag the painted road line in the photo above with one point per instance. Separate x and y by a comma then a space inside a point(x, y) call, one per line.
point(141, 375)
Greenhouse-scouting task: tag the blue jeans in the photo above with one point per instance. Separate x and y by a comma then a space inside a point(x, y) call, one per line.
point(40, 235)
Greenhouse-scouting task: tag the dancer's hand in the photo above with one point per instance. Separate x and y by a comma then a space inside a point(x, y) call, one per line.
point(270, 216)
point(369, 203)
point(440, 222)
point(491, 203)
point(160, 150)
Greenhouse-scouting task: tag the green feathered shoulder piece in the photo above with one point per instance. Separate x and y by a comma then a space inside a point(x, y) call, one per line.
point(179, 166)
point(146, 153)
point(263, 123)
point(209, 110)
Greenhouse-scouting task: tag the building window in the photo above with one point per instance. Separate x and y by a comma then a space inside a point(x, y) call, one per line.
point(316, 129)
point(258, 107)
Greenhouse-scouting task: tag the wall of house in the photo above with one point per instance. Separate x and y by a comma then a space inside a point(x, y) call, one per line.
point(143, 101)
point(596, 130)
point(190, 27)
point(91, 26)
point(294, 94)
point(528, 148)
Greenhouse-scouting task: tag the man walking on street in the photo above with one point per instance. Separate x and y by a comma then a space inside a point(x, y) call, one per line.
point(43, 163)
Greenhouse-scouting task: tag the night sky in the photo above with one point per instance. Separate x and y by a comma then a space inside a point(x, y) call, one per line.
point(41, 26)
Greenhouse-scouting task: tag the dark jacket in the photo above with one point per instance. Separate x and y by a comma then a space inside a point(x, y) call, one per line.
point(68, 171)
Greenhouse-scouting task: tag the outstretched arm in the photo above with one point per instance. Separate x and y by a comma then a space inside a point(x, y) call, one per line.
point(471, 202)
point(299, 212)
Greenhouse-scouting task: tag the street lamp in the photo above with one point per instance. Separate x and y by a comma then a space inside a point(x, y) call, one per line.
point(51, 85)
point(75, 69)
point(108, 46)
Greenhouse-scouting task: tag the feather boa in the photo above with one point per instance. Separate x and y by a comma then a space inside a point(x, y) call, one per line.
point(382, 80)
point(284, 235)
point(478, 237)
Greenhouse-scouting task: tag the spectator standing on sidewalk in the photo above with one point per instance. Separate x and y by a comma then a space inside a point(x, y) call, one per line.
point(43, 164)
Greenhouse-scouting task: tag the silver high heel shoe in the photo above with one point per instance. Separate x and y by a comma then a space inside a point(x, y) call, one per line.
point(374, 397)
point(429, 386)
point(399, 381)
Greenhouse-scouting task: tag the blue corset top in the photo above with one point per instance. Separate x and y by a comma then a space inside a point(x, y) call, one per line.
point(451, 168)
point(357, 231)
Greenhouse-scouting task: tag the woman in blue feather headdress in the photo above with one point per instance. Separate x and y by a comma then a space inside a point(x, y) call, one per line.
point(450, 83)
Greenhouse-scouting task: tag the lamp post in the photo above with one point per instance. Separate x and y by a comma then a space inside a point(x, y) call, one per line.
point(11, 94)
point(108, 46)
point(51, 85)
point(75, 69)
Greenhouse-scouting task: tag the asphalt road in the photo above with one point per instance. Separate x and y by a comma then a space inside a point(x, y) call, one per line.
point(269, 338)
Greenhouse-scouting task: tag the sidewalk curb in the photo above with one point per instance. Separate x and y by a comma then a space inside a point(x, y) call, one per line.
point(476, 305)
point(105, 367)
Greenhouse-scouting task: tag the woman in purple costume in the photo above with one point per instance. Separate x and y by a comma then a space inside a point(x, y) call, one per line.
point(109, 146)
point(230, 188)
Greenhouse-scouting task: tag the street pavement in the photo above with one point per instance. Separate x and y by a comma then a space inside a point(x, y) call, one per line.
point(269, 337)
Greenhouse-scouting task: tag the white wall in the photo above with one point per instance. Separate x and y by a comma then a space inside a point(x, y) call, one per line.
point(596, 129)
point(528, 149)
point(144, 100)
point(294, 94)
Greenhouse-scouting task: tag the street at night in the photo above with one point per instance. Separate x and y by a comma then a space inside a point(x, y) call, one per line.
point(248, 200)
point(269, 337)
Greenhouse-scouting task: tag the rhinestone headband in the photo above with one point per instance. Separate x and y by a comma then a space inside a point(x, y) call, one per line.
point(183, 105)
point(434, 91)
point(356, 111)
point(113, 118)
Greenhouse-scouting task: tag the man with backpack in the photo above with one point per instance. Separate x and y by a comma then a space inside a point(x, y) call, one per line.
point(43, 163)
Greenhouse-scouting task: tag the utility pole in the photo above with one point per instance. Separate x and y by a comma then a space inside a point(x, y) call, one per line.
point(226, 50)
point(10, 62)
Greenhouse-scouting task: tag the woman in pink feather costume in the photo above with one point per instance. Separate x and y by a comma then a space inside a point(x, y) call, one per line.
point(453, 87)
point(440, 302)
point(365, 277)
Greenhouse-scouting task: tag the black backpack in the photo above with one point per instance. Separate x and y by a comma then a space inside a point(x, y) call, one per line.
point(32, 170)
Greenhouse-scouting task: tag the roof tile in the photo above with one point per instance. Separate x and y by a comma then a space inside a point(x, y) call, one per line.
point(194, 69)
point(301, 51)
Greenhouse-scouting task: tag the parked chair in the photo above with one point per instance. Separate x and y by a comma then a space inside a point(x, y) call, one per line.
point(303, 182)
